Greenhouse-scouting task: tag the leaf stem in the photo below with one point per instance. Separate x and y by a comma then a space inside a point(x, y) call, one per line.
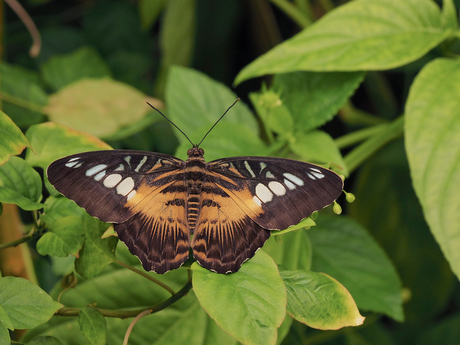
point(17, 242)
point(293, 12)
point(358, 136)
point(145, 275)
point(123, 314)
point(22, 103)
point(370, 146)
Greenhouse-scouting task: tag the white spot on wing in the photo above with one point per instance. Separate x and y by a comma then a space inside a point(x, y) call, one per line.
point(257, 200)
point(319, 175)
point(248, 168)
point(294, 179)
point(316, 170)
point(121, 167)
point(311, 176)
point(277, 188)
point(71, 163)
point(289, 184)
point(128, 159)
point(112, 180)
point(95, 169)
point(141, 163)
point(99, 176)
point(262, 166)
point(268, 174)
point(125, 186)
point(131, 194)
point(263, 193)
point(73, 159)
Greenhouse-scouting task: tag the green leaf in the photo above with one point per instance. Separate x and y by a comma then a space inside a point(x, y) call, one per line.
point(445, 332)
point(22, 95)
point(291, 250)
point(353, 37)
point(449, 14)
point(315, 98)
point(5, 319)
point(4, 334)
point(26, 304)
point(177, 38)
point(318, 147)
point(230, 140)
point(433, 148)
point(96, 252)
point(195, 102)
point(46, 340)
point(52, 141)
point(149, 11)
point(20, 184)
point(319, 300)
point(60, 207)
point(13, 141)
point(344, 250)
point(97, 106)
point(65, 237)
point(93, 326)
point(62, 70)
point(387, 206)
point(250, 304)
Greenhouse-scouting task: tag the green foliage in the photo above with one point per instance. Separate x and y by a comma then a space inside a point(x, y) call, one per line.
point(91, 81)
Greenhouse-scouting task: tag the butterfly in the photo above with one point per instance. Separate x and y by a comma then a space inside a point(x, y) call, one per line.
point(162, 206)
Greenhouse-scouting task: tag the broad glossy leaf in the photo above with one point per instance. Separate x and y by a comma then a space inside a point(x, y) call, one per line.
point(291, 250)
point(250, 304)
point(319, 300)
point(449, 14)
point(353, 37)
point(62, 70)
point(318, 147)
point(195, 101)
point(96, 252)
point(345, 251)
point(390, 211)
point(93, 326)
point(52, 141)
point(24, 86)
point(20, 184)
point(4, 334)
point(433, 149)
point(97, 106)
point(64, 238)
point(315, 98)
point(13, 141)
point(25, 303)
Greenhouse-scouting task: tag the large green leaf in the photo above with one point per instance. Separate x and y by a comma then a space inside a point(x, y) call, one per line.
point(62, 70)
point(22, 95)
point(445, 332)
point(344, 250)
point(388, 208)
point(4, 334)
point(93, 326)
point(52, 141)
point(20, 184)
point(99, 107)
point(26, 305)
point(433, 148)
point(13, 141)
point(319, 300)
point(314, 98)
point(360, 35)
point(250, 304)
point(195, 101)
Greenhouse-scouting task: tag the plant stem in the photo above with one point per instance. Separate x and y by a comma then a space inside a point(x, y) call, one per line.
point(370, 146)
point(123, 314)
point(22, 103)
point(18, 241)
point(145, 275)
point(358, 136)
point(293, 12)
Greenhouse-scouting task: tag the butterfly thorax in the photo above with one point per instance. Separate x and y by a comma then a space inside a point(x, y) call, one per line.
point(195, 172)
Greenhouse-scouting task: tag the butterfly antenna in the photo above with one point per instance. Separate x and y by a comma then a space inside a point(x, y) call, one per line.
point(185, 135)
point(220, 118)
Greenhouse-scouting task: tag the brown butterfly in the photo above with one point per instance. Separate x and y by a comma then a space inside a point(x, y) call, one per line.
point(157, 202)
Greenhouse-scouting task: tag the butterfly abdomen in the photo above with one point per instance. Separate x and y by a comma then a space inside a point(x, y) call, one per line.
point(194, 175)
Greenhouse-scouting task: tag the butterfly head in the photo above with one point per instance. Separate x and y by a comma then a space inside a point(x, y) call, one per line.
point(195, 151)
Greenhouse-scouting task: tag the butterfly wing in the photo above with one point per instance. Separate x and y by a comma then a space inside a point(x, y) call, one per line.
point(274, 192)
point(224, 235)
point(142, 192)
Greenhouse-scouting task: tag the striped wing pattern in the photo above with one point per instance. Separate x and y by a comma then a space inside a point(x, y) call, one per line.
point(227, 206)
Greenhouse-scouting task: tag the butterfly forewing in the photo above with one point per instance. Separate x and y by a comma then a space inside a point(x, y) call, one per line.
point(274, 192)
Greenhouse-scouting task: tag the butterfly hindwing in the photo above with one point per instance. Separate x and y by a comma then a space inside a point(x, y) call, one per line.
point(224, 236)
point(274, 192)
